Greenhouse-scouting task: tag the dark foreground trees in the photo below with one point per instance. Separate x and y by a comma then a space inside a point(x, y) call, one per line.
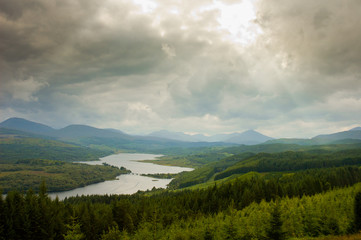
point(243, 208)
point(357, 211)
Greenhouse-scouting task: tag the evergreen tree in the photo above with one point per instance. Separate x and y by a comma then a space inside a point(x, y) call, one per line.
point(357, 211)
point(208, 235)
point(275, 231)
point(114, 234)
point(230, 228)
point(74, 232)
point(2, 217)
point(32, 211)
point(43, 190)
point(15, 220)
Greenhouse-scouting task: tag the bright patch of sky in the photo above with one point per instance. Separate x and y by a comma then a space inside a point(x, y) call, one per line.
point(239, 20)
point(147, 6)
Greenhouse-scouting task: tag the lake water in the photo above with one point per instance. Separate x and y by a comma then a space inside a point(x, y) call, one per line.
point(126, 183)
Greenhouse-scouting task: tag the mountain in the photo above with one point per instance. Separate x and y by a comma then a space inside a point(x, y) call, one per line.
point(80, 131)
point(346, 137)
point(71, 131)
point(249, 137)
point(179, 136)
point(114, 130)
point(103, 139)
point(27, 126)
point(354, 133)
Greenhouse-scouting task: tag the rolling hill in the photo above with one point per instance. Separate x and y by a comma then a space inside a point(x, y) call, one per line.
point(346, 137)
point(16, 145)
point(104, 139)
point(27, 126)
point(354, 133)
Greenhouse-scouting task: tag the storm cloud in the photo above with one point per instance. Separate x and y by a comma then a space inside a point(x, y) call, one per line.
point(287, 69)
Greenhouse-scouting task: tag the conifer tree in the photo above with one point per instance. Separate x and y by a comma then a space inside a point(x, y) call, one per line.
point(357, 212)
point(74, 232)
point(275, 231)
point(2, 217)
point(114, 234)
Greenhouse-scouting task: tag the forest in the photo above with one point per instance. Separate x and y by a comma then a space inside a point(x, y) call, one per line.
point(59, 176)
point(265, 191)
point(251, 207)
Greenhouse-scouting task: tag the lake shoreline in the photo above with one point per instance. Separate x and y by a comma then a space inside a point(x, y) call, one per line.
point(126, 183)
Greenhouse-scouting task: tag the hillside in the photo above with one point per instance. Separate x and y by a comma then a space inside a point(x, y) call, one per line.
point(105, 139)
point(305, 204)
point(15, 145)
point(267, 158)
point(27, 159)
point(354, 133)
point(27, 126)
point(345, 137)
point(28, 174)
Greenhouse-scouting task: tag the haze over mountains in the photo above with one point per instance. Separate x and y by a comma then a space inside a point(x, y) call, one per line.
point(104, 139)
point(249, 137)
point(90, 135)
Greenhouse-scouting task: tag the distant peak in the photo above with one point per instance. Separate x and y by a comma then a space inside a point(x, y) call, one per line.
point(26, 125)
point(355, 129)
point(250, 131)
point(16, 119)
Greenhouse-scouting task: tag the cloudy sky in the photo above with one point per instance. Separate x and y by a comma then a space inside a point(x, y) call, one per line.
point(284, 68)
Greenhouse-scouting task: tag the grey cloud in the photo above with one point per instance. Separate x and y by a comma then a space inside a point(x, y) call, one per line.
point(321, 18)
point(13, 10)
point(110, 62)
point(323, 40)
point(323, 36)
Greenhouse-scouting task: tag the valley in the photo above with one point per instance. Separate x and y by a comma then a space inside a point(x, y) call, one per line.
point(311, 187)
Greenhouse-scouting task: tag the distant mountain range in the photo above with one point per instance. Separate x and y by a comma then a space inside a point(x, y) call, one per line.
point(69, 132)
point(249, 137)
point(87, 135)
point(105, 139)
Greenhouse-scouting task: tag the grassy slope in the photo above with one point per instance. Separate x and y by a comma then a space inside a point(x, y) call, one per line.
point(292, 161)
point(275, 157)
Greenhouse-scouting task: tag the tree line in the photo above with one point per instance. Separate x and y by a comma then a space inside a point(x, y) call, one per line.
point(234, 209)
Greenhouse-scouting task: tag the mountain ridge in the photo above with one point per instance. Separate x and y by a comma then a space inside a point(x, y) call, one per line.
point(106, 139)
point(249, 137)
point(350, 136)
point(26, 125)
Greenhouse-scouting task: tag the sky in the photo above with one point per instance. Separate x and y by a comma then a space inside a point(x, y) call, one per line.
point(283, 68)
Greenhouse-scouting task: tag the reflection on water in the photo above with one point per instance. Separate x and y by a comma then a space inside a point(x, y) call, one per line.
point(129, 183)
